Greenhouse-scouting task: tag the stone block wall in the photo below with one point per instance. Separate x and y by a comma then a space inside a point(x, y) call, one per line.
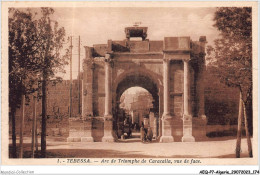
point(58, 98)
point(57, 109)
point(176, 88)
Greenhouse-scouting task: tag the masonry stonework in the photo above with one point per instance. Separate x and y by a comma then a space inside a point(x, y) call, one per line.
point(170, 69)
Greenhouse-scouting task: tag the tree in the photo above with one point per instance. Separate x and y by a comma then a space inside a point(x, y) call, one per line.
point(51, 39)
point(35, 43)
point(231, 58)
point(22, 63)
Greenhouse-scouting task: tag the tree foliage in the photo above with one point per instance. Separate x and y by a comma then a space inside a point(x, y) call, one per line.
point(35, 54)
point(28, 36)
point(231, 60)
point(231, 56)
point(22, 49)
point(51, 39)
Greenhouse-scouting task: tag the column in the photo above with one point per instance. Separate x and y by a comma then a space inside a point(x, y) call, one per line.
point(166, 88)
point(201, 112)
point(187, 118)
point(87, 101)
point(202, 66)
point(87, 89)
point(199, 125)
point(166, 118)
point(108, 118)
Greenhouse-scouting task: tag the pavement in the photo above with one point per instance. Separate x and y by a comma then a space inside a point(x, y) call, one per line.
point(57, 147)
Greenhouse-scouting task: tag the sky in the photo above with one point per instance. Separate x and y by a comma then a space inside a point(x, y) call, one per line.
point(96, 25)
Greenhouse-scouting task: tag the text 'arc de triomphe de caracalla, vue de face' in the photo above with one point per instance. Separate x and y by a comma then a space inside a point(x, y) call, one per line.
point(171, 70)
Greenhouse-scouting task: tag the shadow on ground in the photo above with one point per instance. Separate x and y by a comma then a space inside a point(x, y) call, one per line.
point(242, 155)
point(104, 153)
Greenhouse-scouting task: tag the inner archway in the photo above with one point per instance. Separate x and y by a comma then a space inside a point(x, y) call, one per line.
point(136, 99)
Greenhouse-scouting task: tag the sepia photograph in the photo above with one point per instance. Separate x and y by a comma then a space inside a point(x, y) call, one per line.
point(129, 83)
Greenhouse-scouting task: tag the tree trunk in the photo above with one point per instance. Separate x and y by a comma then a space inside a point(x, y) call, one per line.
point(249, 113)
point(239, 125)
point(44, 108)
point(21, 126)
point(36, 136)
point(14, 154)
point(44, 96)
point(247, 133)
point(33, 125)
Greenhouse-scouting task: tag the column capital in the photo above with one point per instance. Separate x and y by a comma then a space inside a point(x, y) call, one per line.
point(89, 64)
point(109, 60)
point(166, 117)
point(203, 117)
point(166, 60)
point(186, 60)
point(108, 57)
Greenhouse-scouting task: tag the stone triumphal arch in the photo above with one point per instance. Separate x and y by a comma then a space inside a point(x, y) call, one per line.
point(170, 69)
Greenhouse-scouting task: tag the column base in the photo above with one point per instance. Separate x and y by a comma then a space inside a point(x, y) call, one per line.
point(87, 139)
point(199, 128)
point(188, 139)
point(166, 129)
point(108, 139)
point(187, 129)
point(166, 139)
point(108, 129)
point(73, 139)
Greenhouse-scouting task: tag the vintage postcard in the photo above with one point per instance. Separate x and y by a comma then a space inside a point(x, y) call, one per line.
point(130, 83)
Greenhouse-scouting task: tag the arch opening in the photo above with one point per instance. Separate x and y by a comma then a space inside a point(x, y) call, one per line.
point(136, 100)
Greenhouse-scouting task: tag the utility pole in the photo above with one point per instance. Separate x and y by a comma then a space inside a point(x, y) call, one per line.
point(79, 76)
point(70, 100)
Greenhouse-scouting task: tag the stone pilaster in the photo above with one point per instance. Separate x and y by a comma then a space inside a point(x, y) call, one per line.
point(166, 118)
point(201, 95)
point(87, 85)
point(87, 96)
point(200, 92)
point(199, 130)
point(202, 66)
point(108, 118)
point(187, 118)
